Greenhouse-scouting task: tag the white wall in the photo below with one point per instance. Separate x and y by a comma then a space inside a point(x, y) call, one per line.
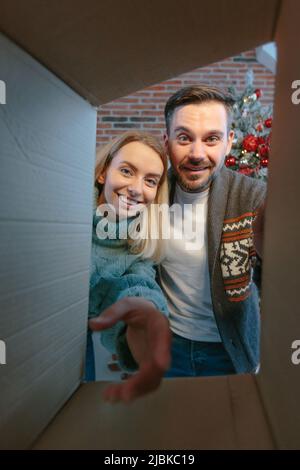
point(47, 146)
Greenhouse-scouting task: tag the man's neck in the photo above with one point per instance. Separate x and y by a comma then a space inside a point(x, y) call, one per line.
point(201, 189)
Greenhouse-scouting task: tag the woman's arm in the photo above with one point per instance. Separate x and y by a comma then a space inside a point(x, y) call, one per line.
point(149, 338)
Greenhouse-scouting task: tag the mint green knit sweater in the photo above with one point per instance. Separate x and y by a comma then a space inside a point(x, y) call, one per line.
point(114, 274)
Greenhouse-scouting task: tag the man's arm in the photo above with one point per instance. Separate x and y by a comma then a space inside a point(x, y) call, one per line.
point(258, 230)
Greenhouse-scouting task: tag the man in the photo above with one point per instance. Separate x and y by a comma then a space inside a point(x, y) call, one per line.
point(213, 303)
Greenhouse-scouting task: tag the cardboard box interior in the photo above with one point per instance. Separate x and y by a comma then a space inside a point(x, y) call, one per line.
point(47, 135)
point(105, 50)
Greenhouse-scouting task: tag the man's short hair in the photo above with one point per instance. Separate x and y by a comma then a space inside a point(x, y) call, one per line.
point(195, 95)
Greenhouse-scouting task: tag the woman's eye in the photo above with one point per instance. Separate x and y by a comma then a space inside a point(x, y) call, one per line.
point(125, 171)
point(151, 182)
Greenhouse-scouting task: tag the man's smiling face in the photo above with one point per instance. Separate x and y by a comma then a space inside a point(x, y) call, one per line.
point(197, 143)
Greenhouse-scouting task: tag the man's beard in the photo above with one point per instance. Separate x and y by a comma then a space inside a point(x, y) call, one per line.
point(184, 184)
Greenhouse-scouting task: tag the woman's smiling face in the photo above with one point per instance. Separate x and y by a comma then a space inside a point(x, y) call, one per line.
point(131, 179)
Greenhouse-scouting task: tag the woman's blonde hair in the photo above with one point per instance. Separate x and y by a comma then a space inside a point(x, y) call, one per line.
point(146, 245)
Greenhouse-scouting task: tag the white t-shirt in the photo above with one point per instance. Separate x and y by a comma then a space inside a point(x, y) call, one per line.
point(184, 273)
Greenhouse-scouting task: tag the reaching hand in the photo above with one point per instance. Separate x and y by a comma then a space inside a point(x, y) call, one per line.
point(149, 339)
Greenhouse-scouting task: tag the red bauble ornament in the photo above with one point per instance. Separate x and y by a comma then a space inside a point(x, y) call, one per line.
point(259, 127)
point(264, 162)
point(230, 161)
point(247, 171)
point(263, 151)
point(258, 92)
point(250, 143)
point(268, 122)
point(261, 140)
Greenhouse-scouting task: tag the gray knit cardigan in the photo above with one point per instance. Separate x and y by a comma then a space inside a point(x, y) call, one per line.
point(232, 207)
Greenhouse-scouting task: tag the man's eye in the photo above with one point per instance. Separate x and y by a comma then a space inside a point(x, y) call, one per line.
point(213, 138)
point(183, 138)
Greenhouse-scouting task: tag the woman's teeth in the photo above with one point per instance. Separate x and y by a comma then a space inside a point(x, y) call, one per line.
point(130, 202)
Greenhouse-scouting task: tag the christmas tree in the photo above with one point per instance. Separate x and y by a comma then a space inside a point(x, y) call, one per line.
point(252, 125)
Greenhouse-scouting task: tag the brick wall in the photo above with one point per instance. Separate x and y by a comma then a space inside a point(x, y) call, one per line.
point(144, 109)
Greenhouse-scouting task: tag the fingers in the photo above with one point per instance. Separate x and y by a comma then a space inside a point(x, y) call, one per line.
point(145, 381)
point(113, 393)
point(110, 316)
point(99, 323)
point(130, 309)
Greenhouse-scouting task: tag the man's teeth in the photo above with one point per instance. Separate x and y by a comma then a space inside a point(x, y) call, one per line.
point(196, 169)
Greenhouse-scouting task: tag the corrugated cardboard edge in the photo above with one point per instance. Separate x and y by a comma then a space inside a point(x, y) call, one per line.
point(188, 413)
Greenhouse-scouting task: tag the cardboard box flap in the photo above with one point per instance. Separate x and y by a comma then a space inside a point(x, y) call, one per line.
point(105, 50)
point(279, 377)
point(47, 135)
point(200, 413)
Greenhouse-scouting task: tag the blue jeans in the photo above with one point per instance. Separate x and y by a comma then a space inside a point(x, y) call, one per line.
point(89, 375)
point(198, 358)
